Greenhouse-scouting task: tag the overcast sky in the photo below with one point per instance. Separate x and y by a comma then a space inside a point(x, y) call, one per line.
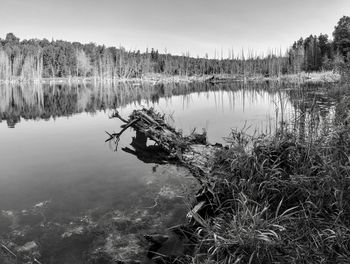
point(197, 26)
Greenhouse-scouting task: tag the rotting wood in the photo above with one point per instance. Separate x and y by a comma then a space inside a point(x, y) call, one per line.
point(192, 151)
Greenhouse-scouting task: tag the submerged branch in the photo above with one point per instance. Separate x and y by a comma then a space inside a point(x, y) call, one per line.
point(116, 136)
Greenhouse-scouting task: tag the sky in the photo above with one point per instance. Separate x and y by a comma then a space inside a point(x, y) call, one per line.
point(198, 27)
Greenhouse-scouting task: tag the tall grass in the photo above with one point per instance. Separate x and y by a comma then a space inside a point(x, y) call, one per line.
point(278, 199)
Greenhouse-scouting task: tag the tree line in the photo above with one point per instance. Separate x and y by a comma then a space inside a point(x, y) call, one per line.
point(35, 59)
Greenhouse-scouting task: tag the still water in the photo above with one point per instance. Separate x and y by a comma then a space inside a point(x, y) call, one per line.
point(53, 150)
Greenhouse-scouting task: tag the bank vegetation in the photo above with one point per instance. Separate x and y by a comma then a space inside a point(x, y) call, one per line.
point(34, 59)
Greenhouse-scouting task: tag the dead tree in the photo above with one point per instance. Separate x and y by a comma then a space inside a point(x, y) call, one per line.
point(192, 151)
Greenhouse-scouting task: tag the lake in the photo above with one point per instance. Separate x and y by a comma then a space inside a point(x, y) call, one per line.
point(60, 180)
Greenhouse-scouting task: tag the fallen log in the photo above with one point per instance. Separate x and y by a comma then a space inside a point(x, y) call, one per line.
point(171, 146)
point(192, 151)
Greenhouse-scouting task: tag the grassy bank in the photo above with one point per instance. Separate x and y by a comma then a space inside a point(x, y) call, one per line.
point(303, 77)
point(278, 199)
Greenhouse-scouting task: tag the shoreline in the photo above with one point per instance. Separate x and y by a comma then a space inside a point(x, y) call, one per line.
point(246, 193)
point(303, 77)
point(273, 197)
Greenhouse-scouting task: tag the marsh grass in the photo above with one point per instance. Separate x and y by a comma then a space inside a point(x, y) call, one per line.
point(345, 73)
point(278, 199)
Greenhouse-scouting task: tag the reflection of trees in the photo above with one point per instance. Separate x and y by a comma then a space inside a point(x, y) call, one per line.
point(17, 102)
point(37, 101)
point(50, 101)
point(316, 107)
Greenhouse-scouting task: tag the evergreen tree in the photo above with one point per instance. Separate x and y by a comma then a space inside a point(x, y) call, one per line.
point(341, 36)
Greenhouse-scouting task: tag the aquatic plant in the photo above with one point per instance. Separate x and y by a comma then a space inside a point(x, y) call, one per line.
point(279, 199)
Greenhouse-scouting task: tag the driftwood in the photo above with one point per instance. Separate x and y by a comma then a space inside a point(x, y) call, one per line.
point(192, 151)
point(170, 145)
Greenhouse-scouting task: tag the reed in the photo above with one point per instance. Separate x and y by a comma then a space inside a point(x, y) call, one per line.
point(278, 199)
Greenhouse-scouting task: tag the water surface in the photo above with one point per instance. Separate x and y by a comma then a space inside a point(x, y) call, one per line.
point(52, 146)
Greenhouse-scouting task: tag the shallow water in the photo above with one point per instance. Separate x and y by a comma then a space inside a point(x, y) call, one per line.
point(52, 148)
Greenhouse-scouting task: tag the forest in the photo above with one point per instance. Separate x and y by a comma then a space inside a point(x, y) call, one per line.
point(34, 59)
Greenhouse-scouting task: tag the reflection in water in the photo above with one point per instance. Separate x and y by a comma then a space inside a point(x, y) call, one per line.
point(314, 109)
point(37, 101)
point(145, 153)
point(49, 157)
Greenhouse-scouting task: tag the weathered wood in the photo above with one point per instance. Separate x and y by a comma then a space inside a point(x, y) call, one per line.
point(116, 136)
point(192, 151)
